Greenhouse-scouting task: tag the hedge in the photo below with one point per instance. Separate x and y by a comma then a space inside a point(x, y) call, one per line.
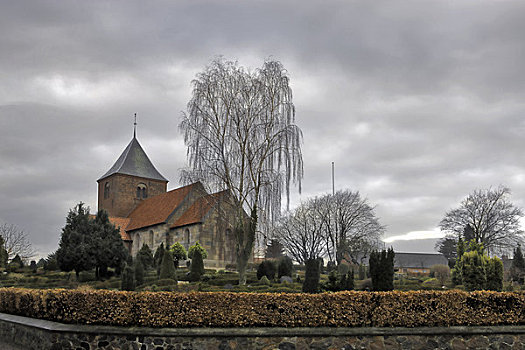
point(204, 309)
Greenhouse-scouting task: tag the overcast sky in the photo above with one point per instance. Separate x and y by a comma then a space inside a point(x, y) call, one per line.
point(417, 102)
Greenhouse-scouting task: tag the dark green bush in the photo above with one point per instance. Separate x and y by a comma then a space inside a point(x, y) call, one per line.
point(285, 267)
point(167, 269)
point(139, 272)
point(197, 266)
point(312, 276)
point(128, 279)
point(266, 268)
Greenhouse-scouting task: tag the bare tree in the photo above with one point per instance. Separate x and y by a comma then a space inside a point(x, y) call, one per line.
point(338, 226)
point(240, 134)
point(301, 233)
point(16, 242)
point(494, 220)
point(350, 224)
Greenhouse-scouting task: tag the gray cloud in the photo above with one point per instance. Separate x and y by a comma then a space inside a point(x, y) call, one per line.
point(417, 103)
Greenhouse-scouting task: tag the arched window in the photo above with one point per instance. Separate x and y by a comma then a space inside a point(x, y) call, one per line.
point(106, 190)
point(142, 191)
point(151, 239)
point(168, 240)
point(187, 238)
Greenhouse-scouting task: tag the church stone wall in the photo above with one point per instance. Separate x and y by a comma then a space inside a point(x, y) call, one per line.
point(122, 197)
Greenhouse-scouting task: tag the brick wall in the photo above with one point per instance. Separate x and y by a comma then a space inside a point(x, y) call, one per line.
point(122, 197)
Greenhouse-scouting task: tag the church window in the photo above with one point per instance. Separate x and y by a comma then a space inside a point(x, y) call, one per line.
point(168, 240)
point(187, 239)
point(151, 239)
point(142, 191)
point(106, 190)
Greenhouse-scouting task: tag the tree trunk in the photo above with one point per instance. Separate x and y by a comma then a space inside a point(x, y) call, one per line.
point(246, 237)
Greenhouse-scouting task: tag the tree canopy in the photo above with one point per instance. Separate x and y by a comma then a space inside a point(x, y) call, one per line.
point(240, 134)
point(338, 226)
point(493, 219)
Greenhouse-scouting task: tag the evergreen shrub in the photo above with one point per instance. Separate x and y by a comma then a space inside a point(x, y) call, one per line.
point(266, 268)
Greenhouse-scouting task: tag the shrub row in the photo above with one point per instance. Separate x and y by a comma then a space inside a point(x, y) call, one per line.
point(202, 309)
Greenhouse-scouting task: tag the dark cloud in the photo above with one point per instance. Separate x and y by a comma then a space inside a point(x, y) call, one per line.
point(417, 103)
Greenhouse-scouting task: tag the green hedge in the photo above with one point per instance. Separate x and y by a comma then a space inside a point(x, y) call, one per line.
point(201, 309)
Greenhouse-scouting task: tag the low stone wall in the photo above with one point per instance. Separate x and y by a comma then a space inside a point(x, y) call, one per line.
point(18, 332)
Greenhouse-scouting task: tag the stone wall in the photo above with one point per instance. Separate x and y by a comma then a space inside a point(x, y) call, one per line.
point(122, 197)
point(18, 332)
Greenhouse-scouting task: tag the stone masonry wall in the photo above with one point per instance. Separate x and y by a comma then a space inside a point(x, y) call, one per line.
point(18, 332)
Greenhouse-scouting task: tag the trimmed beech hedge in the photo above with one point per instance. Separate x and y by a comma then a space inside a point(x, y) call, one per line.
point(199, 309)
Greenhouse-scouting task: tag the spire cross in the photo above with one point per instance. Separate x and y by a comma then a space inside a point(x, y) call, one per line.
point(135, 127)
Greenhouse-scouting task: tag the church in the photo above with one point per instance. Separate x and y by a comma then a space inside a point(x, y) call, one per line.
point(135, 196)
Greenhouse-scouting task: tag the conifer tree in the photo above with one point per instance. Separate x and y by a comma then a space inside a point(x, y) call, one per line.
point(457, 273)
point(157, 258)
point(311, 277)
point(139, 272)
point(3, 253)
point(107, 247)
point(145, 256)
point(197, 266)
point(167, 269)
point(127, 279)
point(285, 267)
point(494, 273)
point(518, 266)
point(76, 243)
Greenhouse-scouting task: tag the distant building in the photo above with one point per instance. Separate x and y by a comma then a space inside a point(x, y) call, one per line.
point(135, 196)
point(417, 263)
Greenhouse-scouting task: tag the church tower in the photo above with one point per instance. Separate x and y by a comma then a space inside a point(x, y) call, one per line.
point(130, 180)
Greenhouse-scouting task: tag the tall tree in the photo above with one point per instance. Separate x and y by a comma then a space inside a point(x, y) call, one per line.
point(16, 242)
point(241, 135)
point(350, 225)
point(107, 247)
point(494, 220)
point(75, 247)
point(517, 270)
point(447, 246)
point(301, 232)
point(337, 226)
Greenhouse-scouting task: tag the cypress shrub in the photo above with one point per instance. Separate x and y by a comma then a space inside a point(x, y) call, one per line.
point(473, 270)
point(197, 266)
point(128, 279)
point(266, 268)
point(347, 281)
point(494, 274)
point(157, 258)
point(145, 256)
point(311, 277)
point(139, 272)
point(285, 267)
point(167, 269)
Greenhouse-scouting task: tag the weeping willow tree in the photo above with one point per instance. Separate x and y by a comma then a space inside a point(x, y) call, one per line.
point(241, 136)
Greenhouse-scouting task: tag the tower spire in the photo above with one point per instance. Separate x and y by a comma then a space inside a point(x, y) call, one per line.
point(135, 127)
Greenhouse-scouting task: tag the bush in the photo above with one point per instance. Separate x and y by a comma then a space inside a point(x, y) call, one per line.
point(285, 267)
point(494, 271)
point(145, 256)
point(139, 272)
point(167, 269)
point(196, 309)
point(382, 269)
point(441, 273)
point(265, 281)
point(128, 280)
point(311, 277)
point(179, 253)
point(473, 270)
point(266, 268)
point(197, 266)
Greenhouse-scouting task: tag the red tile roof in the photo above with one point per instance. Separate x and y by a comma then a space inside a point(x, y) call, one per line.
point(156, 210)
point(198, 210)
point(121, 224)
